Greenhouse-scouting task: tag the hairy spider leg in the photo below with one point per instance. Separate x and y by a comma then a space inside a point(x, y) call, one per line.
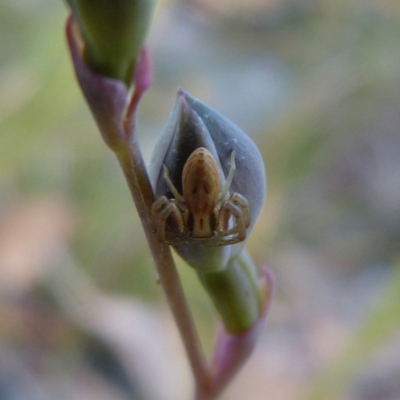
point(225, 189)
point(178, 197)
point(162, 209)
point(238, 206)
point(241, 201)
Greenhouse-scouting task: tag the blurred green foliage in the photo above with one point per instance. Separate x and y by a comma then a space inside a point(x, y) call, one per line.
point(324, 80)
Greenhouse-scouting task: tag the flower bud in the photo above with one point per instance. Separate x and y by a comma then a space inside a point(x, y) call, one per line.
point(235, 293)
point(197, 152)
point(191, 125)
point(113, 32)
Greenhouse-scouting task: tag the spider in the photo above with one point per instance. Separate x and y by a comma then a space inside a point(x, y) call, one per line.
point(203, 212)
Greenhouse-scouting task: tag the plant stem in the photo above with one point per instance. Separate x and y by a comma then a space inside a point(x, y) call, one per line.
point(133, 167)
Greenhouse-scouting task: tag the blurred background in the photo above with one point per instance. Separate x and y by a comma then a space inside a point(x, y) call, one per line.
point(316, 84)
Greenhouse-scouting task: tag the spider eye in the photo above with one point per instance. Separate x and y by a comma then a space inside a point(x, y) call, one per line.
point(198, 189)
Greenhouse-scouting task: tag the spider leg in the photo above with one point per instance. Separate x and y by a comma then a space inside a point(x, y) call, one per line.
point(225, 189)
point(224, 238)
point(240, 200)
point(157, 207)
point(223, 217)
point(162, 210)
point(238, 206)
point(179, 198)
point(230, 208)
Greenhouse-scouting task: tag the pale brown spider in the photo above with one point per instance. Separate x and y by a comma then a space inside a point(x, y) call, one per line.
point(204, 211)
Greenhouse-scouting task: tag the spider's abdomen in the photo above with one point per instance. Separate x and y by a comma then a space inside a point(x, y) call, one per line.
point(201, 185)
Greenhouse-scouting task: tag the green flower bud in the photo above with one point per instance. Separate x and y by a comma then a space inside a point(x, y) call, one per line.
point(113, 32)
point(235, 293)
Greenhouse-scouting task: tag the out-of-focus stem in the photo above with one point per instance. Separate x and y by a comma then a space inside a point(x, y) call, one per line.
point(133, 167)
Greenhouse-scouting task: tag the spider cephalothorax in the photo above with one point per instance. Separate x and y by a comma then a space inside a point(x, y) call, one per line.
point(204, 210)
